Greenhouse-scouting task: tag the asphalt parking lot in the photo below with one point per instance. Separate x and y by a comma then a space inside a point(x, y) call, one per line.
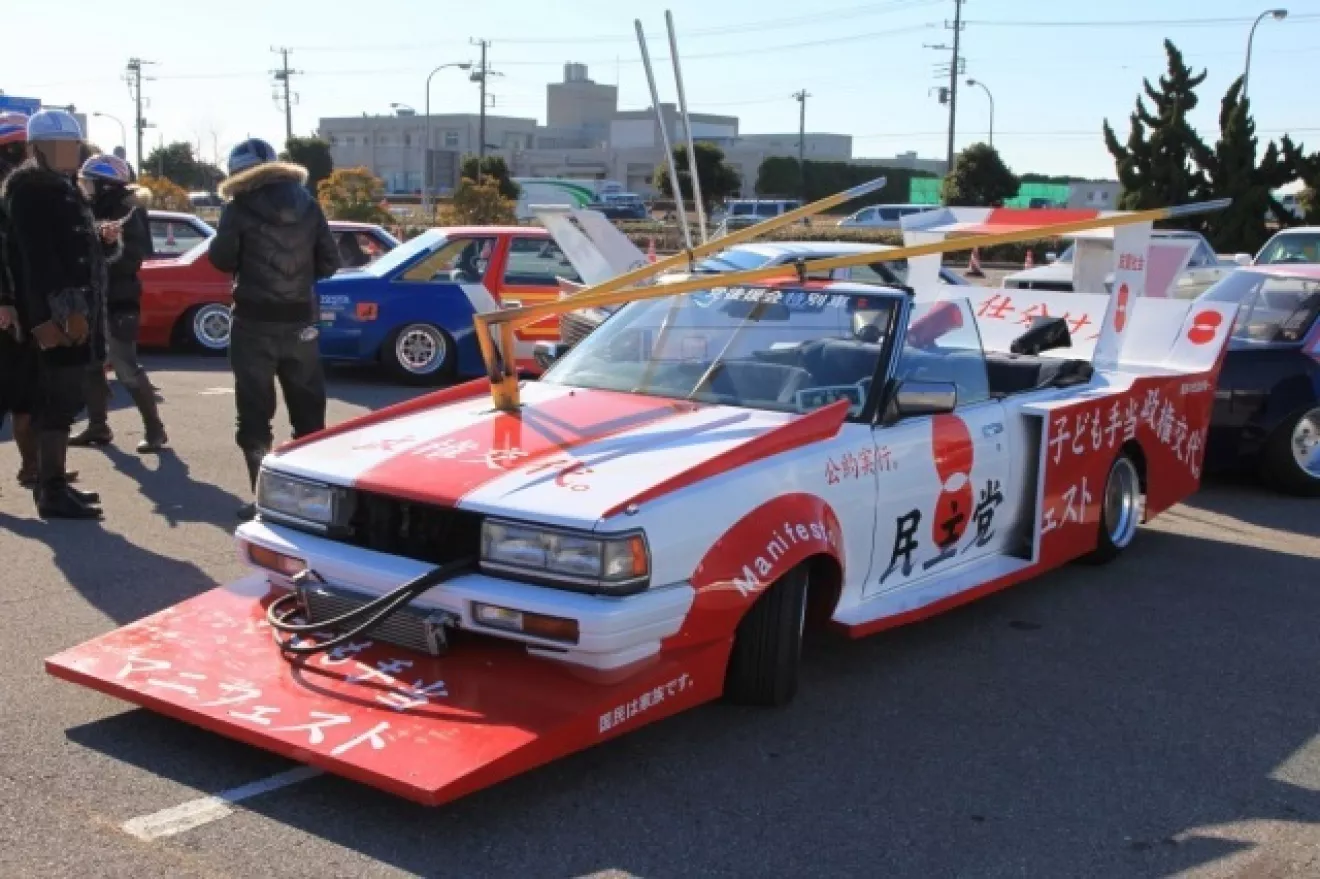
point(1158, 716)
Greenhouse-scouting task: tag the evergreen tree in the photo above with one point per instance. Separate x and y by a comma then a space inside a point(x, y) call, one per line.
point(1155, 166)
point(718, 178)
point(312, 153)
point(1307, 169)
point(1232, 171)
point(979, 179)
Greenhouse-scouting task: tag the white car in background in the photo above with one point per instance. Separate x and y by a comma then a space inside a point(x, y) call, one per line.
point(1297, 245)
point(884, 216)
point(1204, 269)
point(174, 233)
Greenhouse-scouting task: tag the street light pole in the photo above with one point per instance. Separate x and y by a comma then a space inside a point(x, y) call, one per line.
point(1278, 15)
point(396, 106)
point(992, 108)
point(426, 147)
point(123, 132)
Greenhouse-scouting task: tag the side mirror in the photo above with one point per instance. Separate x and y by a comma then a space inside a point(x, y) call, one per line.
point(916, 398)
point(1046, 334)
point(546, 353)
point(1242, 259)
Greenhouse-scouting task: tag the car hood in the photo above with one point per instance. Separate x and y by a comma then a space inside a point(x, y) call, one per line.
point(1058, 271)
point(569, 457)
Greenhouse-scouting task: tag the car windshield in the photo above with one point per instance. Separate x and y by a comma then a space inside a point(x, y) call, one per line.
point(404, 253)
point(1271, 308)
point(786, 350)
point(732, 260)
point(1291, 247)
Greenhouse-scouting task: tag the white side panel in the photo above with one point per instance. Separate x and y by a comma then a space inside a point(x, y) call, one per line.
point(1002, 315)
point(1093, 260)
point(587, 259)
point(1131, 260)
point(618, 251)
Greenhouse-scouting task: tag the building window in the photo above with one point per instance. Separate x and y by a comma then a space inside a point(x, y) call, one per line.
point(407, 140)
point(451, 138)
point(332, 140)
point(350, 140)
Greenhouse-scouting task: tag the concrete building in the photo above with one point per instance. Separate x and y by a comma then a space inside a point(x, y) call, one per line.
point(586, 136)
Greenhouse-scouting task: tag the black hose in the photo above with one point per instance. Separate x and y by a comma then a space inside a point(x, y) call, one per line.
point(375, 611)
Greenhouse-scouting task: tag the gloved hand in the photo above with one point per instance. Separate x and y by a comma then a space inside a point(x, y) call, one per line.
point(8, 317)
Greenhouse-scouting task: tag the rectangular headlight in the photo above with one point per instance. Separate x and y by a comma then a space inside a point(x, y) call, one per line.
point(618, 564)
point(299, 498)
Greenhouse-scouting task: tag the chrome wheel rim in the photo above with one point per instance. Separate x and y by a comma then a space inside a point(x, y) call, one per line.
point(211, 327)
point(420, 349)
point(1122, 495)
point(1306, 443)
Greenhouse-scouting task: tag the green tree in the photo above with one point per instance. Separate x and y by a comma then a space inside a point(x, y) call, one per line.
point(478, 204)
point(1310, 208)
point(1155, 167)
point(177, 163)
point(312, 153)
point(718, 178)
point(1232, 171)
point(1307, 169)
point(491, 167)
point(979, 179)
point(353, 194)
point(779, 175)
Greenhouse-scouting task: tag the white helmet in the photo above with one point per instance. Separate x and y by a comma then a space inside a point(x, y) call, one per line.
point(53, 125)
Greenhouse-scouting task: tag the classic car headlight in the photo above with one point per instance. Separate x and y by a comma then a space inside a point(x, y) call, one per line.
point(618, 565)
point(300, 499)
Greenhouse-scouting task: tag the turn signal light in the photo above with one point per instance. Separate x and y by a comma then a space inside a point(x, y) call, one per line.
point(278, 562)
point(366, 311)
point(534, 624)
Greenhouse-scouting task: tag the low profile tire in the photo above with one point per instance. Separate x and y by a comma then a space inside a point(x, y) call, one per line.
point(1290, 461)
point(767, 649)
point(1120, 511)
point(419, 354)
point(205, 329)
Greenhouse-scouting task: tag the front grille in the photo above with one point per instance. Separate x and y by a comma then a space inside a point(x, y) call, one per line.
point(405, 628)
point(575, 325)
point(423, 532)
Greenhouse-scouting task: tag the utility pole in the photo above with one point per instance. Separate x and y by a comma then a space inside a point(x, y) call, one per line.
point(282, 76)
point(133, 76)
point(480, 75)
point(801, 97)
point(954, 71)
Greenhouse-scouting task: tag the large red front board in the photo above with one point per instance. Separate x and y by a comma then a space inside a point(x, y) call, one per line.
point(427, 729)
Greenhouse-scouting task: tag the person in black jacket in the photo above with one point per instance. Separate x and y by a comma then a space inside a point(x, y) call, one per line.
point(274, 239)
point(122, 209)
point(57, 262)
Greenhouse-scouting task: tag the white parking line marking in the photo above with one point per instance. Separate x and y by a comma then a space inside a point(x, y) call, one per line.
point(215, 392)
point(195, 813)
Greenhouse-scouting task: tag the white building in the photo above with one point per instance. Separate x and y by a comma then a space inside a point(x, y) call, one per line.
point(586, 136)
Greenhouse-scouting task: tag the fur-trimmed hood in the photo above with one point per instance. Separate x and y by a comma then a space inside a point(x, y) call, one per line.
point(262, 175)
point(32, 174)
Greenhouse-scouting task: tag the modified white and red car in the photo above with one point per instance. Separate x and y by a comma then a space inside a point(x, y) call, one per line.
point(663, 514)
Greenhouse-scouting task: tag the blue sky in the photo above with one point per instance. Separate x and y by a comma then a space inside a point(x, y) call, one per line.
point(863, 63)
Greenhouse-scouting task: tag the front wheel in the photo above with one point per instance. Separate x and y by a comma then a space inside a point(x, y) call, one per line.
point(419, 354)
point(767, 649)
point(1120, 511)
point(206, 328)
point(1291, 458)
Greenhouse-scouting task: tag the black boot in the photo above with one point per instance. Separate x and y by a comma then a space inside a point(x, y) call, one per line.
point(55, 500)
point(96, 393)
point(155, 440)
point(253, 459)
point(25, 437)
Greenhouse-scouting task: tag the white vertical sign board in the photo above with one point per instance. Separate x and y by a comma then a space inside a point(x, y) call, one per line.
point(1131, 256)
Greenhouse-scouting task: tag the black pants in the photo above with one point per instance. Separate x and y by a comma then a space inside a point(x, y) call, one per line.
point(60, 391)
point(260, 354)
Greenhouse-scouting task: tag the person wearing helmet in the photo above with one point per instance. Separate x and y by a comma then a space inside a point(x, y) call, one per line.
point(120, 209)
point(58, 262)
point(274, 239)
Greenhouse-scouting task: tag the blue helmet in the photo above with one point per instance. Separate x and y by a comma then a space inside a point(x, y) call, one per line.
point(53, 125)
point(111, 169)
point(249, 154)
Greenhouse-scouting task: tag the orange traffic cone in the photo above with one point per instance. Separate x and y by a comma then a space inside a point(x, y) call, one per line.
point(1031, 262)
point(650, 250)
point(974, 265)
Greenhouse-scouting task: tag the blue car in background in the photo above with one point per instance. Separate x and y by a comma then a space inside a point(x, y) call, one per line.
point(1267, 408)
point(411, 310)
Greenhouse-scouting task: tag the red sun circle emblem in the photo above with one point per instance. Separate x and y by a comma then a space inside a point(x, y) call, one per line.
point(1120, 311)
point(1204, 328)
point(951, 445)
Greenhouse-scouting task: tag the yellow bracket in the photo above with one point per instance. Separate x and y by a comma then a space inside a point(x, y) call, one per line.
point(502, 370)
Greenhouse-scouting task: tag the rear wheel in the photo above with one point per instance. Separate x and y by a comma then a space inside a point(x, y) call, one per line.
point(419, 354)
point(767, 649)
point(206, 328)
point(1120, 511)
point(1291, 459)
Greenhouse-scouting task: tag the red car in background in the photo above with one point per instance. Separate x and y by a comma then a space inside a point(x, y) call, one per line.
point(186, 300)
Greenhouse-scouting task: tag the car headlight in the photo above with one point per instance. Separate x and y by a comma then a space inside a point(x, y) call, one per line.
point(307, 501)
point(616, 565)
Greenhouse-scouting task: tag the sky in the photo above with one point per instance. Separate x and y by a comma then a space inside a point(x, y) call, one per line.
point(1056, 69)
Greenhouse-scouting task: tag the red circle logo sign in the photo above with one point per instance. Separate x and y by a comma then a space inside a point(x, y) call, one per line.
point(953, 451)
point(1205, 326)
point(1120, 312)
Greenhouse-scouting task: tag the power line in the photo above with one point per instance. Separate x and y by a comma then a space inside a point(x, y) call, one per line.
point(1165, 22)
point(282, 77)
